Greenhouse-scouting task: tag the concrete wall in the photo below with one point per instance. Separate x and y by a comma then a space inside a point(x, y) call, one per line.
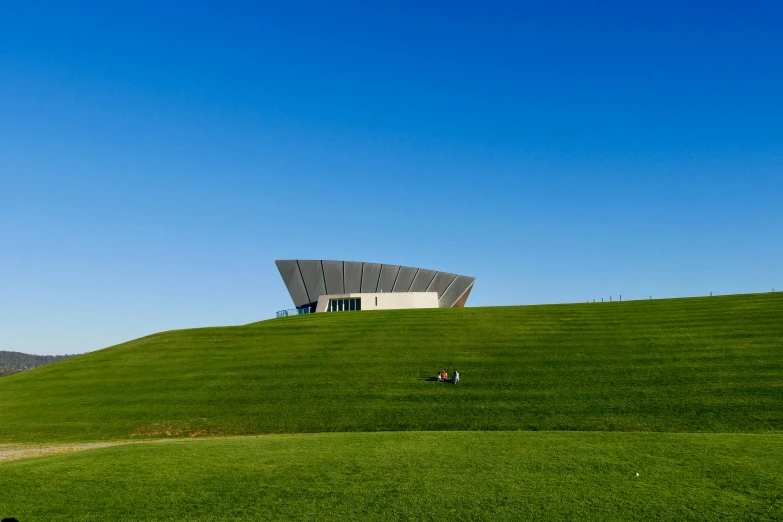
point(385, 301)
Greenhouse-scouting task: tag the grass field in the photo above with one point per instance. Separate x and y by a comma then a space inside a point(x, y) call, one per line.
point(410, 476)
point(558, 408)
point(684, 365)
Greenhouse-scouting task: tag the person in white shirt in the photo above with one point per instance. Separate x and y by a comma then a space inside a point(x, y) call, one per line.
point(455, 376)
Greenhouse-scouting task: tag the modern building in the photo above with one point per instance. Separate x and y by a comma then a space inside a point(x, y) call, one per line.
point(336, 286)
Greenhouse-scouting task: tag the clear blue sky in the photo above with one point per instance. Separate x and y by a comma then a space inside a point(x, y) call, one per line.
point(154, 161)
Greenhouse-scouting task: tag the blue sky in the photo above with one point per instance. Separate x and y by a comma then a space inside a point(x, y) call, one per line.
point(154, 161)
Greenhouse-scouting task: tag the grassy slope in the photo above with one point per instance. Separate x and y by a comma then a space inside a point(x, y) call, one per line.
point(681, 365)
point(410, 476)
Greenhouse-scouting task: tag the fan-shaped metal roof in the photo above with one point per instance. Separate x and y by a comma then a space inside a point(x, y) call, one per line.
point(308, 279)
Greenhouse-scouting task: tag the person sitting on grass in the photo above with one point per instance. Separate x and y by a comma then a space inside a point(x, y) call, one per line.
point(443, 375)
point(455, 376)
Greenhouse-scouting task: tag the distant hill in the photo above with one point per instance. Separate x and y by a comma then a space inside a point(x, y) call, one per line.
point(12, 362)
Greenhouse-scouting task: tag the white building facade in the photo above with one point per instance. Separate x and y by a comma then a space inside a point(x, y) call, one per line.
point(376, 301)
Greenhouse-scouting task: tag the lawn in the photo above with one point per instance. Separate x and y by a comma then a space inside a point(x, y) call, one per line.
point(408, 476)
point(558, 408)
point(677, 365)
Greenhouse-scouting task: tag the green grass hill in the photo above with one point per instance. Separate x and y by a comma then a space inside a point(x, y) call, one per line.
point(668, 409)
point(676, 365)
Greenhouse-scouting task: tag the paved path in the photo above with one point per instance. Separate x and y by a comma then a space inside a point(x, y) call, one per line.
point(25, 451)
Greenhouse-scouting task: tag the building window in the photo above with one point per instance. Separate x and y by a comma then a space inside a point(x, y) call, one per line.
point(345, 305)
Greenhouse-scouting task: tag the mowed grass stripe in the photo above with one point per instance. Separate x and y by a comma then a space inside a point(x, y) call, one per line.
point(679, 365)
point(409, 476)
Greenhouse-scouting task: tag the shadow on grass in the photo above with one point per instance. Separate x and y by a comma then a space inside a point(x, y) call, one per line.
point(433, 379)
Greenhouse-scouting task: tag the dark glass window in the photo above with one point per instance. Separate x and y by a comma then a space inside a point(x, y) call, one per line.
point(344, 305)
